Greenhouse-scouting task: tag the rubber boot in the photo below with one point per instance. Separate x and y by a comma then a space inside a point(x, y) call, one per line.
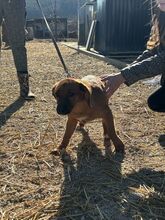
point(6, 47)
point(25, 92)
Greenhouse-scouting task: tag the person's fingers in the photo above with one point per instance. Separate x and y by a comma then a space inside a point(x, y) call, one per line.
point(109, 85)
point(107, 88)
point(104, 78)
point(109, 94)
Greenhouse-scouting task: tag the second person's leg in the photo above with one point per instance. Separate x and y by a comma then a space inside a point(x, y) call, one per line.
point(156, 101)
point(14, 15)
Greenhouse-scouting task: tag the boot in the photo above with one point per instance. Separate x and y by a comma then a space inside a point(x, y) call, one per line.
point(25, 92)
point(6, 47)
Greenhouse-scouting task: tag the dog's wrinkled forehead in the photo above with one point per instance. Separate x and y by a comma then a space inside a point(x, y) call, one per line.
point(69, 87)
point(65, 87)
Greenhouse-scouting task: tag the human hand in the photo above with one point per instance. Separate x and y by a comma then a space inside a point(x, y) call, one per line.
point(112, 83)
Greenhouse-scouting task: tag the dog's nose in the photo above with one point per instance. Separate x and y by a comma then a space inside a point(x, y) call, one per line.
point(63, 110)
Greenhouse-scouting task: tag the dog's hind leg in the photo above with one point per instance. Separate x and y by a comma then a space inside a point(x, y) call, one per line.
point(106, 135)
point(81, 124)
point(107, 143)
point(108, 123)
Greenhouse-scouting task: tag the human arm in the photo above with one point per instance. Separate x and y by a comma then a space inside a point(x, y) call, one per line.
point(112, 83)
point(150, 67)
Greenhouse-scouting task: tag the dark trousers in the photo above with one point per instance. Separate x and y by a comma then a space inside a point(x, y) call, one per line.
point(13, 14)
point(156, 100)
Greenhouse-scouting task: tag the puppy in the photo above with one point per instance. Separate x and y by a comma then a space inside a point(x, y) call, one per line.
point(84, 100)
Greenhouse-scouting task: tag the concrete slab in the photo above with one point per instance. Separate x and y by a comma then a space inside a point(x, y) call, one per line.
point(80, 49)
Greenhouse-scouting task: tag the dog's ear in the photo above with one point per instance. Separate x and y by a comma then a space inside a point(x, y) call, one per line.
point(59, 84)
point(56, 87)
point(54, 90)
point(87, 90)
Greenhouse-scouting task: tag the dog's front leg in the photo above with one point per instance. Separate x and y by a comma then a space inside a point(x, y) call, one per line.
point(110, 129)
point(70, 128)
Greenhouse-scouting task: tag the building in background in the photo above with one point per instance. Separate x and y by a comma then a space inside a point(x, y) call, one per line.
point(122, 27)
point(39, 29)
point(87, 13)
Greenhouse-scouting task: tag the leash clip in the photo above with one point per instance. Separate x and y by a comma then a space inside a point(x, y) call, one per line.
point(67, 74)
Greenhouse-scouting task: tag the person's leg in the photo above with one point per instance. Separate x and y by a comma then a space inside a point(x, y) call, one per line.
point(14, 16)
point(4, 37)
point(156, 100)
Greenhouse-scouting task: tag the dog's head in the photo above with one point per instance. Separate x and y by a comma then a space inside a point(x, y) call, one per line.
point(69, 92)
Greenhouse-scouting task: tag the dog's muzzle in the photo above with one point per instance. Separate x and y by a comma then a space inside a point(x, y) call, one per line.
point(63, 109)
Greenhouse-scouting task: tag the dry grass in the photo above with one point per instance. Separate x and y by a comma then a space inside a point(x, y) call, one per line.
point(87, 184)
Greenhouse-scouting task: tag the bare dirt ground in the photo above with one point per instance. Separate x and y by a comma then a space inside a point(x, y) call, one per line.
point(87, 185)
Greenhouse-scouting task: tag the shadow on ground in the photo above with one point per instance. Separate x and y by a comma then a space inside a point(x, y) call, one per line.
point(162, 140)
point(10, 110)
point(94, 188)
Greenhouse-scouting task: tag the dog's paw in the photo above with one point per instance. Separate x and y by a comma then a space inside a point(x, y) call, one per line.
point(119, 146)
point(55, 152)
point(58, 152)
point(120, 149)
point(107, 142)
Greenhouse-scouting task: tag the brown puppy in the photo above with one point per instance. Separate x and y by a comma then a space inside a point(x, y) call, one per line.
point(84, 100)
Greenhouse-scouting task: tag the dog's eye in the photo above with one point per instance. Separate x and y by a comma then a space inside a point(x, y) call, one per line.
point(71, 94)
point(56, 95)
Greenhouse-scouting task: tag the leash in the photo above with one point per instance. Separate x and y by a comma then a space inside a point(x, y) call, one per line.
point(54, 40)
